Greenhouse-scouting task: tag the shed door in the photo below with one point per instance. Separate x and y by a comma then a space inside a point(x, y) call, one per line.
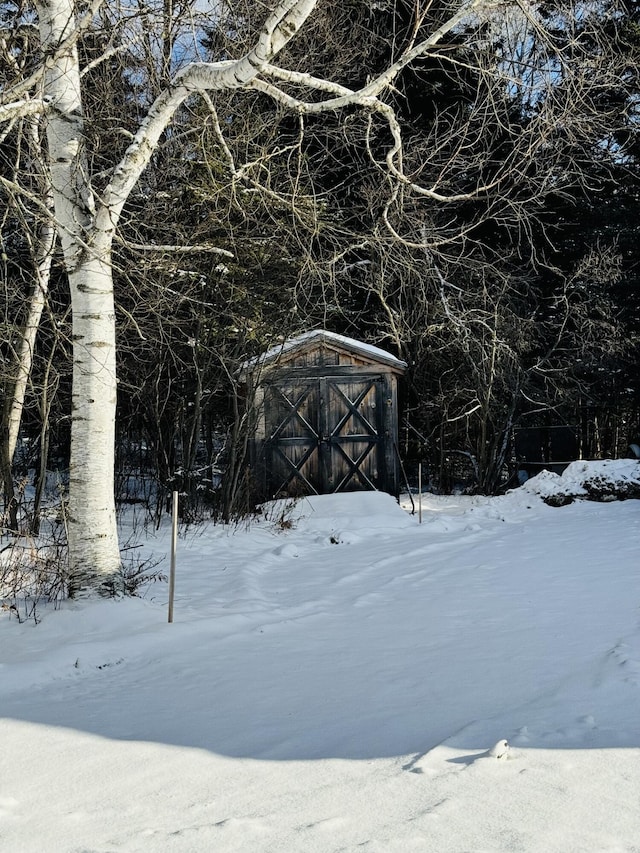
point(325, 435)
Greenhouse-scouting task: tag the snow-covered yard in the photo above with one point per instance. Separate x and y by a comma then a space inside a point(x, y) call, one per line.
point(336, 683)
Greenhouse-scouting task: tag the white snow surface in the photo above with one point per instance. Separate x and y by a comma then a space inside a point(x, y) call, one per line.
point(336, 679)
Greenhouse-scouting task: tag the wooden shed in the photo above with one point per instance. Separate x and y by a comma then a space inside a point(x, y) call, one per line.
point(327, 416)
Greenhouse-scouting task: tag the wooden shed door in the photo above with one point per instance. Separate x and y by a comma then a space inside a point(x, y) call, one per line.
point(325, 435)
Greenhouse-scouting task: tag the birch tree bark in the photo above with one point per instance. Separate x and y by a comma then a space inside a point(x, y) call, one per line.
point(93, 538)
point(43, 255)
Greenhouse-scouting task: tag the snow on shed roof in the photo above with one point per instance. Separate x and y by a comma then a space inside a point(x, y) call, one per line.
point(322, 336)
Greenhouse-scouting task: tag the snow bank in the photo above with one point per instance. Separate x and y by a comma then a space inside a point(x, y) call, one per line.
point(602, 480)
point(357, 512)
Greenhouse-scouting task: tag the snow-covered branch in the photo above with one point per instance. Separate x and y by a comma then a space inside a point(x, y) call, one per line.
point(23, 108)
point(368, 98)
point(279, 28)
point(364, 99)
point(176, 249)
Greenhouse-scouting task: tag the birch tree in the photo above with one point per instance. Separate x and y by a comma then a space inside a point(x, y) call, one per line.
point(89, 200)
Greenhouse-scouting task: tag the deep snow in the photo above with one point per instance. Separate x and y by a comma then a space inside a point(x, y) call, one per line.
point(338, 685)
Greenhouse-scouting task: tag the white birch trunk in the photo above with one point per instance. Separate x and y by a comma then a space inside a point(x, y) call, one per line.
point(93, 537)
point(37, 302)
point(94, 557)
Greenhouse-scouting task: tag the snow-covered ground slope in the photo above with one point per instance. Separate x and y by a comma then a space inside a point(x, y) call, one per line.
point(337, 682)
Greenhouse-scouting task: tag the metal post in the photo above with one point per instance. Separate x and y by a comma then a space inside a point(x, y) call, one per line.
point(419, 492)
point(174, 548)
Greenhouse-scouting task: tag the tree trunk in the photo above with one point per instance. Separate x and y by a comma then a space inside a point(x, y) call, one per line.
point(93, 538)
point(14, 403)
point(27, 347)
point(94, 557)
point(9, 518)
point(43, 256)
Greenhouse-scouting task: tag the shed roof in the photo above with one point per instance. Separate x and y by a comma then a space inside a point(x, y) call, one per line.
point(316, 337)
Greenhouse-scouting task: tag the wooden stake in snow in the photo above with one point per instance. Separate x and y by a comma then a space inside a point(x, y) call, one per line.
point(419, 492)
point(174, 547)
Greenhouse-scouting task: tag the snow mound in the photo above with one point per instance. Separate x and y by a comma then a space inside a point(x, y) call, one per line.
point(352, 511)
point(601, 480)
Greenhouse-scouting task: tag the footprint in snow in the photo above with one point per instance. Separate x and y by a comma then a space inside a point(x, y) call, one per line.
point(287, 550)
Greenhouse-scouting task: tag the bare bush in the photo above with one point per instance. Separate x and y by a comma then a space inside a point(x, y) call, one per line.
point(32, 573)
